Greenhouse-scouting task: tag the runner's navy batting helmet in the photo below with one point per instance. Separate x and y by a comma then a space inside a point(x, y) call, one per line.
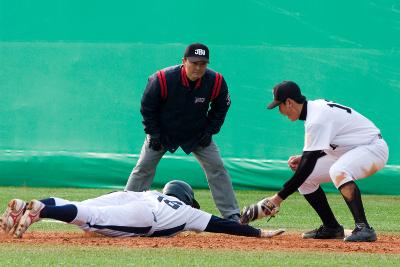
point(182, 191)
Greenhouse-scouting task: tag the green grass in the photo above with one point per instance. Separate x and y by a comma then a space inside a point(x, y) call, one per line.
point(382, 211)
point(45, 255)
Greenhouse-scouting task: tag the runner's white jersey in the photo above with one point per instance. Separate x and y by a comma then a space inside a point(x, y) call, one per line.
point(329, 125)
point(130, 213)
point(175, 216)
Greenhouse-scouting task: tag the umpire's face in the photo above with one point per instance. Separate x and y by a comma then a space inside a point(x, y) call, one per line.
point(194, 70)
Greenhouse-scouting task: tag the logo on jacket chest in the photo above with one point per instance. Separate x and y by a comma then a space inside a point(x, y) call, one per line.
point(199, 100)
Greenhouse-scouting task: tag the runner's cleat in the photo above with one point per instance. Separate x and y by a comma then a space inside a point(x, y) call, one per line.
point(12, 215)
point(31, 215)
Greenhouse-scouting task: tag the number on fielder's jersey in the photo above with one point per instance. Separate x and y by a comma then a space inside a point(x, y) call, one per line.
point(332, 105)
point(173, 204)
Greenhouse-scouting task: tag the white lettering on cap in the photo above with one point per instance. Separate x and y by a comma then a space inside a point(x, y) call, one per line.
point(200, 52)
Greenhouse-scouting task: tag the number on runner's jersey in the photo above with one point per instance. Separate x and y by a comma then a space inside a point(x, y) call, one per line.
point(334, 105)
point(173, 204)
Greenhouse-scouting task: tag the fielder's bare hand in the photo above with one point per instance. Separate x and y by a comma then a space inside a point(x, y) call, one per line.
point(294, 161)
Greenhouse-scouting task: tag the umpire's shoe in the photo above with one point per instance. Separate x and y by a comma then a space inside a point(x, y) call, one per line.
point(362, 233)
point(324, 232)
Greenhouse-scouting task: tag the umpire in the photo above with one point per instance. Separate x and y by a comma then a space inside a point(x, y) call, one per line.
point(183, 106)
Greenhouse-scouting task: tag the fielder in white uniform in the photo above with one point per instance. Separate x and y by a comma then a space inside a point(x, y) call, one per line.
point(341, 146)
point(127, 213)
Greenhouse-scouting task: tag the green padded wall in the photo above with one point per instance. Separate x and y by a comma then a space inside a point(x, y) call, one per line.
point(72, 74)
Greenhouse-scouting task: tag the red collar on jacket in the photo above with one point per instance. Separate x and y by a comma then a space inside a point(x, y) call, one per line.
point(184, 79)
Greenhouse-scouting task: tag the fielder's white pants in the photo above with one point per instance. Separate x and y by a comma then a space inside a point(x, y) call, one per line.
point(347, 164)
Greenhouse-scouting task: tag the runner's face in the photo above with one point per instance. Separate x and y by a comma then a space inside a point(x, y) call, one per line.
point(194, 70)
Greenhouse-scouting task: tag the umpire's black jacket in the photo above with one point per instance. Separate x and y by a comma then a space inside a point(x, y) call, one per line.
point(181, 113)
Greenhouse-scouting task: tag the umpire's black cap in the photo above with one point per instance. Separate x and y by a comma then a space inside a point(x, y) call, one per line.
point(197, 52)
point(285, 90)
point(182, 191)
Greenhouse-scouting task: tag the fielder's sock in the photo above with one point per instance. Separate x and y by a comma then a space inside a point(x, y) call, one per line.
point(48, 201)
point(65, 213)
point(320, 204)
point(352, 195)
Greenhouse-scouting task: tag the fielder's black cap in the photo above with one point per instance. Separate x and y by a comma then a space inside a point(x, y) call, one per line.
point(197, 52)
point(285, 90)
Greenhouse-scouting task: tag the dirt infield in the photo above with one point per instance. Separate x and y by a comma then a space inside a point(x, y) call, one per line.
point(386, 244)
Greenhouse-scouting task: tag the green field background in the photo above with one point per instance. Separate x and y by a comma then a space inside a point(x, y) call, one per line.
point(72, 74)
point(295, 216)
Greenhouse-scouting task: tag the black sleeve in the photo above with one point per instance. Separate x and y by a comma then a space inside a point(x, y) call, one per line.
point(224, 226)
point(306, 166)
point(219, 108)
point(150, 107)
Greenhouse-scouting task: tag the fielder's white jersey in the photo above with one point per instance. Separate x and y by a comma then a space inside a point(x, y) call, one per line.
point(128, 213)
point(329, 125)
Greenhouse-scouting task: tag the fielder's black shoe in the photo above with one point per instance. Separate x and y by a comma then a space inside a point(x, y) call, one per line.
point(362, 234)
point(324, 232)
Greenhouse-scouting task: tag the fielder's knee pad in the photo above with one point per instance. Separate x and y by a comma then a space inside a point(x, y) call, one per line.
point(339, 176)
